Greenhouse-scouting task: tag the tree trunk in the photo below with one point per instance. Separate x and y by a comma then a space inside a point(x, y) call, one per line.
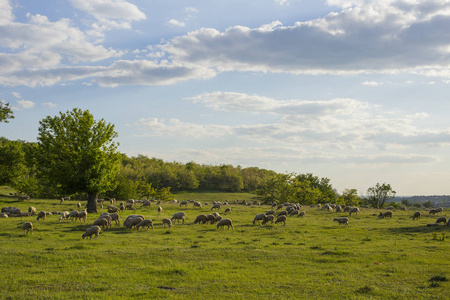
point(92, 203)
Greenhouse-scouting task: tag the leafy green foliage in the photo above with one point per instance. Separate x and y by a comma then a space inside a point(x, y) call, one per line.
point(77, 154)
point(378, 194)
point(5, 112)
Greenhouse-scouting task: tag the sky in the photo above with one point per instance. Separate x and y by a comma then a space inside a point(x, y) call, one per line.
point(354, 91)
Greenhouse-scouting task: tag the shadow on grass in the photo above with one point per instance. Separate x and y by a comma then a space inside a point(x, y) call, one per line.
point(420, 229)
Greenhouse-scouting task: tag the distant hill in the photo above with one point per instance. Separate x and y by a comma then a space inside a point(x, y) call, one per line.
point(437, 200)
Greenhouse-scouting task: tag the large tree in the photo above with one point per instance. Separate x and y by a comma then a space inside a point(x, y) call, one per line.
point(78, 154)
point(379, 194)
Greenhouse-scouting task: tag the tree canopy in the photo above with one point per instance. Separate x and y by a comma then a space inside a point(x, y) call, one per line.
point(77, 154)
point(378, 194)
point(5, 112)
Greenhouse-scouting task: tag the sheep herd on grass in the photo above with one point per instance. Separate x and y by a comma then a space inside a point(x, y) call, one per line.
point(279, 214)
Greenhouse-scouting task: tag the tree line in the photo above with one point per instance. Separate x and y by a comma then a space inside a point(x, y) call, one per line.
point(77, 155)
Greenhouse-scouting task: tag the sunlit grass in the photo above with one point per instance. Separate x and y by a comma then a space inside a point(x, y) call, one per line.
point(309, 258)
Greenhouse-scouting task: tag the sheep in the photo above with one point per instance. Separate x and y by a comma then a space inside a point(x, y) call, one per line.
point(225, 222)
point(280, 206)
point(131, 201)
point(435, 210)
point(82, 215)
point(268, 218)
point(227, 210)
point(197, 204)
point(441, 220)
point(342, 220)
point(145, 223)
point(390, 208)
point(293, 213)
point(282, 213)
point(22, 198)
point(73, 215)
point(159, 209)
point(102, 222)
point(94, 230)
point(41, 215)
point(107, 217)
point(146, 203)
point(216, 206)
point(3, 215)
point(27, 227)
point(185, 203)
point(385, 214)
point(133, 222)
point(64, 215)
point(270, 212)
point(115, 218)
point(167, 222)
point(210, 218)
point(127, 221)
point(112, 209)
point(338, 208)
point(179, 216)
point(417, 215)
point(354, 210)
point(301, 214)
point(281, 219)
point(201, 219)
point(129, 206)
point(216, 219)
point(79, 205)
point(259, 217)
point(32, 210)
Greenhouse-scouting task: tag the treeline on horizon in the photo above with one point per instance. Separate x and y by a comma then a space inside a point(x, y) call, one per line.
point(143, 177)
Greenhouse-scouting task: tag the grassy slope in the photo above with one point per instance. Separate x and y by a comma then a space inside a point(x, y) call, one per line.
point(308, 258)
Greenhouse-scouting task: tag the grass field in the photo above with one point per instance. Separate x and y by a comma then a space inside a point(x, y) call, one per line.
point(309, 258)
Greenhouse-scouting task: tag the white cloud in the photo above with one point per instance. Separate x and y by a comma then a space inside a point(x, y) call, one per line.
point(49, 104)
point(110, 9)
point(16, 95)
point(24, 104)
point(371, 83)
point(176, 23)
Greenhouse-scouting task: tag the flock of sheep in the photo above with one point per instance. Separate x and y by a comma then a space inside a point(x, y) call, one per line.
point(278, 214)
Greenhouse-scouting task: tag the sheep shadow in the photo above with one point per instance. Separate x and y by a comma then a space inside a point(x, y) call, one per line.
point(419, 229)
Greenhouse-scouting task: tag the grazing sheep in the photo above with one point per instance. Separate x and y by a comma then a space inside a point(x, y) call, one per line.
point(216, 206)
point(268, 218)
point(390, 208)
point(32, 210)
point(185, 203)
point(129, 206)
point(145, 223)
point(115, 218)
point(216, 219)
point(94, 230)
point(133, 222)
point(146, 203)
point(259, 217)
point(201, 219)
point(436, 210)
point(41, 215)
point(167, 222)
point(210, 218)
point(113, 209)
point(3, 215)
point(197, 204)
point(64, 215)
point(159, 209)
point(385, 214)
point(227, 210)
point(281, 219)
point(102, 222)
point(301, 214)
point(417, 215)
point(282, 213)
point(338, 208)
point(127, 221)
point(27, 227)
point(79, 205)
point(179, 216)
point(224, 222)
point(342, 220)
point(22, 198)
point(82, 215)
point(354, 210)
point(73, 215)
point(294, 213)
point(441, 220)
point(270, 212)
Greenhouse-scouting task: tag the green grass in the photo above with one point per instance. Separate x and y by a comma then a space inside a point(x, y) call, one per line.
point(309, 258)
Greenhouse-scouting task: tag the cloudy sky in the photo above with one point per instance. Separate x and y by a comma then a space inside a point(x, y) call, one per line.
point(356, 91)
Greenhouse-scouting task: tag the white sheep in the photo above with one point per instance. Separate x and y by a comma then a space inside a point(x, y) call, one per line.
point(167, 222)
point(82, 215)
point(94, 230)
point(79, 205)
point(259, 217)
point(224, 222)
point(342, 220)
point(197, 204)
point(102, 222)
point(64, 216)
point(216, 206)
point(281, 219)
point(115, 218)
point(27, 227)
point(133, 222)
point(179, 216)
point(41, 215)
point(159, 209)
point(31, 211)
point(354, 210)
point(145, 223)
point(73, 215)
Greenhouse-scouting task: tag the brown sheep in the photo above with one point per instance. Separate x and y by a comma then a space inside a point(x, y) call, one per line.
point(27, 227)
point(94, 230)
point(41, 215)
point(145, 223)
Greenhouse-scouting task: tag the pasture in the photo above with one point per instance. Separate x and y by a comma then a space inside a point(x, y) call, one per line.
point(309, 258)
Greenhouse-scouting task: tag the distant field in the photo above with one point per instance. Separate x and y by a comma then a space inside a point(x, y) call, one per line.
point(309, 258)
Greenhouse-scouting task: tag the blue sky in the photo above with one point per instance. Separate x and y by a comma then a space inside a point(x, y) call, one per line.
point(356, 91)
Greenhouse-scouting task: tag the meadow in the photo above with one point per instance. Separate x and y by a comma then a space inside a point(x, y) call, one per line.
point(309, 258)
